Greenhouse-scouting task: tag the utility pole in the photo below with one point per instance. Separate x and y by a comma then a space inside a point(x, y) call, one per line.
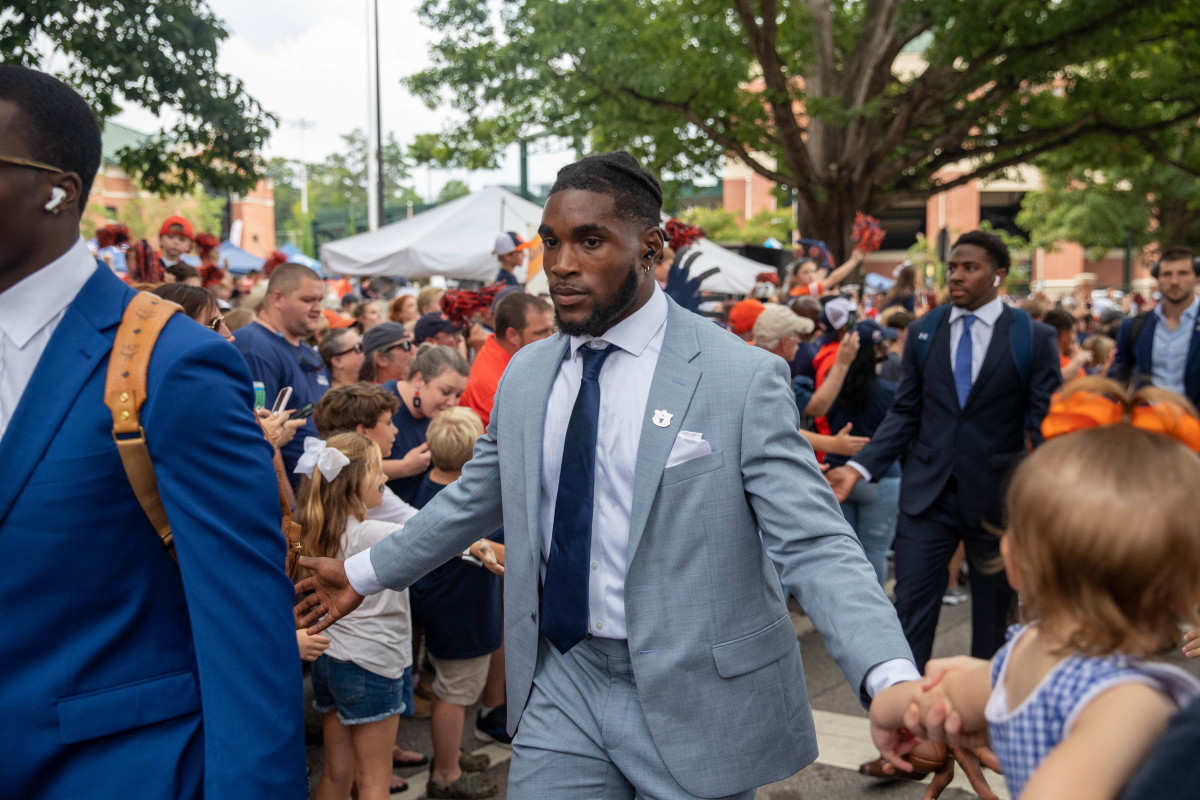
point(374, 127)
point(303, 125)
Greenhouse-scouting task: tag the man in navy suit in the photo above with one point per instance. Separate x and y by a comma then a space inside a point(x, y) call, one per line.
point(1162, 347)
point(126, 674)
point(968, 397)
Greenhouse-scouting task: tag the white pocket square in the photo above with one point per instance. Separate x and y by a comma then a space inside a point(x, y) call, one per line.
point(688, 446)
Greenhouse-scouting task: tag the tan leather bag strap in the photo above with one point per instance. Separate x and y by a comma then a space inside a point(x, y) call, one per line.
point(124, 394)
point(291, 528)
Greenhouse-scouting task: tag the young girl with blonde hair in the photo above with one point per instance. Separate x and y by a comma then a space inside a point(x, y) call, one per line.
point(357, 681)
point(1103, 547)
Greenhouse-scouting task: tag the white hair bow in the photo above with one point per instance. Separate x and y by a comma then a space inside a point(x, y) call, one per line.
point(319, 456)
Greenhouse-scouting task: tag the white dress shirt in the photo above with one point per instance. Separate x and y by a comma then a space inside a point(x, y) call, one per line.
point(29, 314)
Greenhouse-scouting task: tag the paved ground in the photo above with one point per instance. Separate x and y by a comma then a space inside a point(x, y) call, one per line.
point(840, 721)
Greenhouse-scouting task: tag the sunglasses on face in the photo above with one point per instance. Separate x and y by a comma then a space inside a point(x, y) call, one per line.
point(356, 349)
point(216, 323)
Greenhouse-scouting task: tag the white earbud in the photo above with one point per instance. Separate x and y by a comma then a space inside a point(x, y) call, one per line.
point(996, 282)
point(57, 195)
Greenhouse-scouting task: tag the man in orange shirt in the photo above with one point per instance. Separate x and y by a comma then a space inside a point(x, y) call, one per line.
point(521, 319)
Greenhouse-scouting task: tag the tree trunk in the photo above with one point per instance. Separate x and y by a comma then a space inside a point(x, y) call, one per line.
point(830, 221)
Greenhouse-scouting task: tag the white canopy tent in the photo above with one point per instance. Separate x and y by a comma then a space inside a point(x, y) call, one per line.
point(724, 271)
point(454, 240)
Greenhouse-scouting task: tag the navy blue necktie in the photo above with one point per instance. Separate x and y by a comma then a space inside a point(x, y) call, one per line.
point(565, 590)
point(962, 362)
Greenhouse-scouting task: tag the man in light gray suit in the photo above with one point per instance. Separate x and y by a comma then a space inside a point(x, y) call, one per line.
point(654, 490)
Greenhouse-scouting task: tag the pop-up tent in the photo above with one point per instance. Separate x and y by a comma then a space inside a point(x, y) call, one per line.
point(237, 259)
point(296, 256)
point(454, 240)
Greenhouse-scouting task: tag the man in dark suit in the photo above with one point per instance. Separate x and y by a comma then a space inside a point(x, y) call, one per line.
point(1162, 347)
point(966, 401)
point(126, 674)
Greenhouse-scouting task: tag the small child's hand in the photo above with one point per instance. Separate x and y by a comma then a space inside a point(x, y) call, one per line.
point(1191, 643)
point(311, 646)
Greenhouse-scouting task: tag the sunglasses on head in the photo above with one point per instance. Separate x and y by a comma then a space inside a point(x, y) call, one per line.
point(405, 345)
point(25, 162)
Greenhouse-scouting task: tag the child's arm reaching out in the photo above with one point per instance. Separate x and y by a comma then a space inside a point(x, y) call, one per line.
point(1109, 740)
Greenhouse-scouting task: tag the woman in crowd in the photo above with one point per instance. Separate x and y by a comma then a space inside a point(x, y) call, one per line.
point(342, 352)
point(904, 291)
point(436, 380)
point(199, 304)
point(404, 311)
point(367, 315)
point(863, 402)
point(387, 353)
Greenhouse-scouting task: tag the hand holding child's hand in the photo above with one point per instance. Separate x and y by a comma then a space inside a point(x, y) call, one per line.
point(893, 741)
point(311, 646)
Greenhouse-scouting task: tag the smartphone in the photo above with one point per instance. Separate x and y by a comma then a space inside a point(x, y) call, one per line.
point(304, 412)
point(281, 400)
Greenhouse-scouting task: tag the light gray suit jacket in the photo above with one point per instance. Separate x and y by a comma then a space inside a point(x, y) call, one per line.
point(715, 655)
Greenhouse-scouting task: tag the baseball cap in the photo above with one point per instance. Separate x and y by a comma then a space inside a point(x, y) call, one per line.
point(837, 311)
point(509, 241)
point(430, 325)
point(383, 334)
point(177, 226)
point(743, 314)
point(876, 333)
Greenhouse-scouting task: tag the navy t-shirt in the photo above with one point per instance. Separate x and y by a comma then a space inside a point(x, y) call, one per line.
point(276, 364)
point(410, 433)
point(802, 364)
point(458, 604)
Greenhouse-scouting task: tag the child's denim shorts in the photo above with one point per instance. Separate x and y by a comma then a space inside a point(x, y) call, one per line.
point(358, 695)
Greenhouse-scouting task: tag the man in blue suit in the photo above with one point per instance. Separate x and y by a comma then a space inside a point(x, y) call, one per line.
point(1162, 347)
point(126, 675)
point(975, 383)
point(654, 492)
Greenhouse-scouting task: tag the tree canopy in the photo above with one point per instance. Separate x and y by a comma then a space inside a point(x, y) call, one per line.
point(159, 56)
point(855, 105)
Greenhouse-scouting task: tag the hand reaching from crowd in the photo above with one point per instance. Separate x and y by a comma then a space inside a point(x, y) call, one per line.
point(279, 429)
point(329, 595)
point(491, 554)
point(845, 444)
point(311, 646)
point(1191, 643)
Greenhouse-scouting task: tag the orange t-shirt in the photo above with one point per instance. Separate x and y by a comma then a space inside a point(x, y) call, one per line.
point(815, 289)
point(480, 394)
point(1062, 362)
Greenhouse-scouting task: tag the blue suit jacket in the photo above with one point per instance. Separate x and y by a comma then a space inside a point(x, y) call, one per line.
point(714, 652)
point(126, 675)
point(979, 443)
point(1132, 362)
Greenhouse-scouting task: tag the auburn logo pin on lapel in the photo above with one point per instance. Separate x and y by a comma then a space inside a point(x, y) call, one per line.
point(662, 418)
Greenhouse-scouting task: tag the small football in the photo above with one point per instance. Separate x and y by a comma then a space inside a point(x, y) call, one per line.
point(927, 756)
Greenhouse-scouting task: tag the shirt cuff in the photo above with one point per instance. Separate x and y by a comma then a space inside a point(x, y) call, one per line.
point(889, 673)
point(860, 469)
point(361, 574)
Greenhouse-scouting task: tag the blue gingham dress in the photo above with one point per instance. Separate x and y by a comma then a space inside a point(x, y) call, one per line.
point(1021, 738)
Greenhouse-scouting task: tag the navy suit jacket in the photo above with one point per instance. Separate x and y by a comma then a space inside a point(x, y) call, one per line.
point(1132, 362)
point(124, 673)
point(979, 443)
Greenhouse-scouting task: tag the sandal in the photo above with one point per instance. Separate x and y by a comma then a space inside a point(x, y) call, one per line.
point(467, 787)
point(406, 760)
point(396, 788)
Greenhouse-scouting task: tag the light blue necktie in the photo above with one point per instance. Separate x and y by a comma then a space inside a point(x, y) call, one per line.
point(962, 362)
point(565, 590)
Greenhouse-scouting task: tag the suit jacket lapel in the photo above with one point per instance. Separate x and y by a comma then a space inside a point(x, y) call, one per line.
point(537, 397)
point(76, 350)
point(671, 390)
point(997, 350)
point(939, 371)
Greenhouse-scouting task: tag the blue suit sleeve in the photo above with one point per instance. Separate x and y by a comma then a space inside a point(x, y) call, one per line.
point(1121, 368)
point(220, 493)
point(903, 420)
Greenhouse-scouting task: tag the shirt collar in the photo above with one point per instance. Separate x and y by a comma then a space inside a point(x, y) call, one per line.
point(987, 313)
point(1188, 315)
point(633, 333)
point(36, 300)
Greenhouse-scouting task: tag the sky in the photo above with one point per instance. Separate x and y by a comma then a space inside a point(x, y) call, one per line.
point(306, 60)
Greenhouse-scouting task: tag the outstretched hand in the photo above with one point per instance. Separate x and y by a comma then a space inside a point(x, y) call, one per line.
point(328, 594)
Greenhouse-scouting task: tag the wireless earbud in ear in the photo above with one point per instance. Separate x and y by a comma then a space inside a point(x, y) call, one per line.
point(57, 195)
point(649, 252)
point(996, 282)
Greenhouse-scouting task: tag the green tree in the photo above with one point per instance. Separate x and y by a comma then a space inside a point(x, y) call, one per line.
point(341, 179)
point(1104, 192)
point(855, 105)
point(452, 190)
point(161, 56)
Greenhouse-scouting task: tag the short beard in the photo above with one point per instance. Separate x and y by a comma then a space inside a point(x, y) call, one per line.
point(603, 316)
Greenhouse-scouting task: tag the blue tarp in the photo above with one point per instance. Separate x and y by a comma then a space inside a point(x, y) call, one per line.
point(296, 256)
point(239, 260)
